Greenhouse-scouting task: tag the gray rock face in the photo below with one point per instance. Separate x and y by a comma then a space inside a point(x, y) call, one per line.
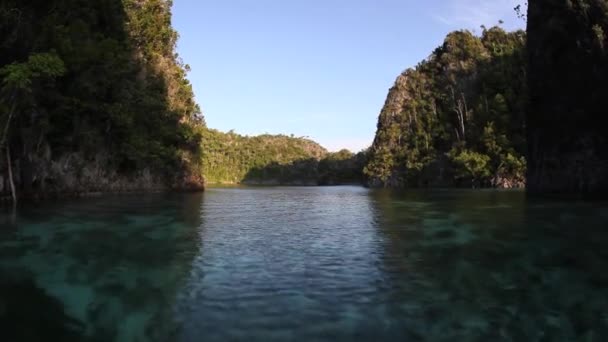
point(76, 175)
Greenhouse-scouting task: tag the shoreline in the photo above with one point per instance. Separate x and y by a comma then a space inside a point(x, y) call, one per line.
point(6, 200)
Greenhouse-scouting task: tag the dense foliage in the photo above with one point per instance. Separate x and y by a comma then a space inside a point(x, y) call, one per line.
point(92, 92)
point(230, 158)
point(568, 73)
point(342, 167)
point(457, 118)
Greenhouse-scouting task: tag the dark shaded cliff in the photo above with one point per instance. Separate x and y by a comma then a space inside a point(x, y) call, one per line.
point(94, 98)
point(456, 119)
point(568, 82)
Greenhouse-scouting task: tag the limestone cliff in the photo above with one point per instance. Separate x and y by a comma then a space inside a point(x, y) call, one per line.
point(456, 119)
point(94, 98)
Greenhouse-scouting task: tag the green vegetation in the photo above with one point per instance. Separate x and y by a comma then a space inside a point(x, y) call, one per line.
point(342, 167)
point(22, 83)
point(230, 158)
point(457, 118)
point(93, 97)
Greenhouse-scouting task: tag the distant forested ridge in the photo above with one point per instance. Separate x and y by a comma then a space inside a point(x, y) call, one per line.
point(93, 97)
point(230, 158)
point(456, 119)
point(568, 112)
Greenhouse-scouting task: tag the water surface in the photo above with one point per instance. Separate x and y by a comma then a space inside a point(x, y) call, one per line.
point(323, 264)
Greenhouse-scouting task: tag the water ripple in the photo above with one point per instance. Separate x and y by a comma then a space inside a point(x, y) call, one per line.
point(322, 264)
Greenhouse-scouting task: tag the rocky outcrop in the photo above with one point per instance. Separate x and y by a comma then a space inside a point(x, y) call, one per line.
point(75, 175)
point(94, 98)
point(566, 117)
point(456, 119)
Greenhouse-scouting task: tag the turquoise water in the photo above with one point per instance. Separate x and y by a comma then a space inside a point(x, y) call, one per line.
point(322, 264)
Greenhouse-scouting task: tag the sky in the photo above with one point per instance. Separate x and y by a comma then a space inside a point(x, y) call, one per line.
point(314, 68)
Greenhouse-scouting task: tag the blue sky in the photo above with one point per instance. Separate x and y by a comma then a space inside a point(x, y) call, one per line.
point(314, 68)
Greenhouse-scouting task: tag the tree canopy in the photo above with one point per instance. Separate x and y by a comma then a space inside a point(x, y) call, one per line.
point(95, 89)
point(457, 118)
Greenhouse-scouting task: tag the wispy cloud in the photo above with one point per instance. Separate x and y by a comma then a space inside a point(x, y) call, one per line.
point(473, 13)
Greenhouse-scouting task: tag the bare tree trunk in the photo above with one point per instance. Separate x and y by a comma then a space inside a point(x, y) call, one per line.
point(10, 175)
point(461, 121)
point(8, 121)
point(460, 108)
point(464, 116)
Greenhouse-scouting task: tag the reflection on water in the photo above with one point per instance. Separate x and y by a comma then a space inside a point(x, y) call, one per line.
point(27, 313)
point(115, 263)
point(341, 263)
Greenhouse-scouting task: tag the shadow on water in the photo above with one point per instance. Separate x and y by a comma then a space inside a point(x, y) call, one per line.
point(115, 264)
point(491, 265)
point(29, 314)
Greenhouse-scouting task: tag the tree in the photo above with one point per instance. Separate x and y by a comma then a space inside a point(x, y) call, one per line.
point(471, 165)
point(21, 83)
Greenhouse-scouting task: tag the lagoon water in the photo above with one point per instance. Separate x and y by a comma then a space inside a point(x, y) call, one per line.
point(313, 264)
